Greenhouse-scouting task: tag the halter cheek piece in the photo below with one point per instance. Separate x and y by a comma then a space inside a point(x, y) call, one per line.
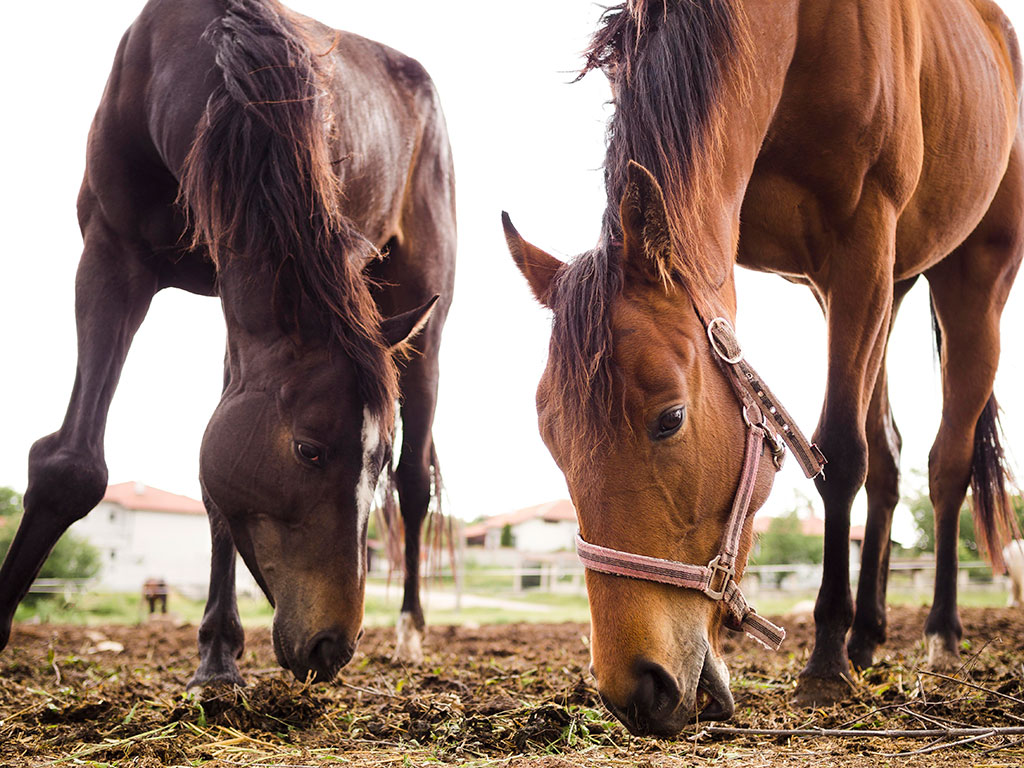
point(763, 415)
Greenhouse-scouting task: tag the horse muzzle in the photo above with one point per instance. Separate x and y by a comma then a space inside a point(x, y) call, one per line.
point(659, 706)
point(318, 658)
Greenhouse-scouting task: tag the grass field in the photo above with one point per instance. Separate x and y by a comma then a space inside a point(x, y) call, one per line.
point(487, 598)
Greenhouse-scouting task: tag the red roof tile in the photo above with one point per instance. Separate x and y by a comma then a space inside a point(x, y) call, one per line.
point(144, 498)
point(550, 512)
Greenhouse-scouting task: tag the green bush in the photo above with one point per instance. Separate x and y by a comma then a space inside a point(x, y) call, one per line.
point(784, 543)
point(508, 538)
point(72, 557)
point(924, 520)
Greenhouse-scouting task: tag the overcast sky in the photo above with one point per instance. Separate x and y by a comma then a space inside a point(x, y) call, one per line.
point(525, 140)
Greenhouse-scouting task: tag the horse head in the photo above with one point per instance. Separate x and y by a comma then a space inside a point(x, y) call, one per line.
point(291, 458)
point(649, 433)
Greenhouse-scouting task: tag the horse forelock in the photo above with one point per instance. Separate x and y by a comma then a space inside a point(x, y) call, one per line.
point(667, 61)
point(258, 186)
point(582, 391)
point(670, 64)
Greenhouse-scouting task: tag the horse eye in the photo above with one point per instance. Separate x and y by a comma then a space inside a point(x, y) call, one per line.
point(309, 452)
point(670, 421)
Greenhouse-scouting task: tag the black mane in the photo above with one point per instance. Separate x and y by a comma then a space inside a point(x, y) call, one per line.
point(259, 186)
point(667, 61)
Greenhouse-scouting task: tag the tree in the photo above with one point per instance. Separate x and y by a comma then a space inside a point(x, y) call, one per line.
point(784, 543)
point(924, 519)
point(71, 558)
point(508, 539)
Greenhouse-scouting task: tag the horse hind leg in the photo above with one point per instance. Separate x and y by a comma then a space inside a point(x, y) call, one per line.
point(882, 486)
point(416, 481)
point(67, 470)
point(969, 289)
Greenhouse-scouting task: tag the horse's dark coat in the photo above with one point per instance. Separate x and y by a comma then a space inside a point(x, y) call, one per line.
point(244, 151)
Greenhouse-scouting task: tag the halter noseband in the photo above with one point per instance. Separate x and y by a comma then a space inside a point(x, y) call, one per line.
point(717, 578)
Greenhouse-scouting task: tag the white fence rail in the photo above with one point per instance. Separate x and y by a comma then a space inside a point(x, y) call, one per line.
point(563, 575)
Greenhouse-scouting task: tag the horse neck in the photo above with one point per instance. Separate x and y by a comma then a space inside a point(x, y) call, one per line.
point(255, 336)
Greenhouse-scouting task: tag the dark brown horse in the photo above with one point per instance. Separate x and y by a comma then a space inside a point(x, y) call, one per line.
point(851, 146)
point(303, 175)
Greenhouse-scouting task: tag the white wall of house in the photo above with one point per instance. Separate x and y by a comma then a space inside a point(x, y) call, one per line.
point(539, 536)
point(136, 545)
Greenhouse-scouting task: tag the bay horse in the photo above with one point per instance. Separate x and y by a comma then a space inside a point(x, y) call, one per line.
point(851, 146)
point(302, 175)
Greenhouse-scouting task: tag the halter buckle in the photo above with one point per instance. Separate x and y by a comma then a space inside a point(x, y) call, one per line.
point(715, 568)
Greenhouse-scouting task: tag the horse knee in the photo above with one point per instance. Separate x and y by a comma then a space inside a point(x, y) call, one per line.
point(846, 470)
point(63, 483)
point(413, 484)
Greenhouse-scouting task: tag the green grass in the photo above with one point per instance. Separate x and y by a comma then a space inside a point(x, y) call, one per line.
point(125, 608)
point(93, 609)
point(381, 610)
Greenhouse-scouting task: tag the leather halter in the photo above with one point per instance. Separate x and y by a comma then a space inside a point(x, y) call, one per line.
point(760, 411)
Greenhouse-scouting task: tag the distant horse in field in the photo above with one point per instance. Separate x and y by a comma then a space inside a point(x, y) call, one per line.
point(304, 176)
point(848, 146)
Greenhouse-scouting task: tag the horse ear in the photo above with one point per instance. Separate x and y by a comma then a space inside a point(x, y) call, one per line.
point(645, 237)
point(400, 329)
point(538, 267)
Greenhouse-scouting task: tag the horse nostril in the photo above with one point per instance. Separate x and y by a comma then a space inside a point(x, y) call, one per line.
point(655, 697)
point(329, 652)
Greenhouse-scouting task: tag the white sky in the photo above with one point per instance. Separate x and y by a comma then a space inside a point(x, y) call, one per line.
point(525, 140)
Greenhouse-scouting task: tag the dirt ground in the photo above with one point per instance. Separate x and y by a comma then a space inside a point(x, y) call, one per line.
point(516, 695)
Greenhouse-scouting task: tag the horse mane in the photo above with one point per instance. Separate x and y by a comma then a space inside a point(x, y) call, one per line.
point(258, 186)
point(668, 62)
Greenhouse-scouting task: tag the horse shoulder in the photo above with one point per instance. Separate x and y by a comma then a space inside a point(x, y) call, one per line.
point(845, 133)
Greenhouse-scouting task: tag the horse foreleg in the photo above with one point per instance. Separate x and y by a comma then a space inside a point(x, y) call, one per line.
point(67, 470)
point(884, 443)
point(221, 638)
point(883, 491)
point(857, 305)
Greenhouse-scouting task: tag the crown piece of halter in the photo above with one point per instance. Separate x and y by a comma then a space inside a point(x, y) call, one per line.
point(716, 580)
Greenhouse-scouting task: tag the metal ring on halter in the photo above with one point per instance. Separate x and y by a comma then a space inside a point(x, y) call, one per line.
point(759, 422)
point(714, 342)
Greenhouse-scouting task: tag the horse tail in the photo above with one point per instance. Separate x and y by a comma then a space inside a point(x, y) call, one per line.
point(438, 532)
point(440, 528)
point(259, 181)
point(389, 522)
point(995, 521)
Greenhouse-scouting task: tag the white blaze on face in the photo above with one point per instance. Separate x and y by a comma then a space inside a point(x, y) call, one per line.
point(368, 475)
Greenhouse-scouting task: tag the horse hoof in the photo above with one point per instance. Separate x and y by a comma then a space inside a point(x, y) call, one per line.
point(409, 641)
point(861, 656)
point(821, 691)
point(943, 653)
